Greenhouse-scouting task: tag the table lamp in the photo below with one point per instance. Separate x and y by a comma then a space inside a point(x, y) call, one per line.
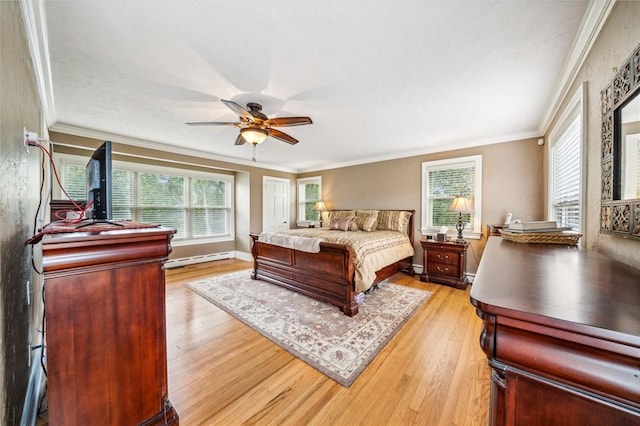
point(320, 207)
point(460, 205)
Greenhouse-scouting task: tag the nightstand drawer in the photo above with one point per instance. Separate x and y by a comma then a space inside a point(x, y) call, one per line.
point(443, 257)
point(442, 269)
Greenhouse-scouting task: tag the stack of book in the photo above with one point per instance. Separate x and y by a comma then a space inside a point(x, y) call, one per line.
point(537, 226)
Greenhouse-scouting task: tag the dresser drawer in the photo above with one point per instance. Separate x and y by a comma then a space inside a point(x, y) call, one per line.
point(442, 269)
point(443, 257)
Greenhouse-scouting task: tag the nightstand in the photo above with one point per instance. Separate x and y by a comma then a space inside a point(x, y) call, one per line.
point(444, 263)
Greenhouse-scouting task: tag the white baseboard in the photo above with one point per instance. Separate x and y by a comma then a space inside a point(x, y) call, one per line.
point(182, 261)
point(418, 271)
point(35, 389)
point(242, 255)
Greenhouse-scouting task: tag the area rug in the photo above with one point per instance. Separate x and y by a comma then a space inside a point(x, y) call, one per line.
point(316, 332)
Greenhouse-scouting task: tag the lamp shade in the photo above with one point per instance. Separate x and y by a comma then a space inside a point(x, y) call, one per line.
point(461, 205)
point(320, 207)
point(254, 135)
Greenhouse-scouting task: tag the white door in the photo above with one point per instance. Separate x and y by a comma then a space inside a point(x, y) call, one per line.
point(275, 204)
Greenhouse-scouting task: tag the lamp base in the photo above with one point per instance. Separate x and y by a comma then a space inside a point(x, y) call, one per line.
point(459, 228)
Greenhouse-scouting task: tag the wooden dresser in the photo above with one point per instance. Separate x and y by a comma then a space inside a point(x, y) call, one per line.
point(562, 334)
point(105, 327)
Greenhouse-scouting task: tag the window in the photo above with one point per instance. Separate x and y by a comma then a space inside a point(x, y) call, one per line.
point(198, 205)
point(309, 191)
point(565, 167)
point(442, 181)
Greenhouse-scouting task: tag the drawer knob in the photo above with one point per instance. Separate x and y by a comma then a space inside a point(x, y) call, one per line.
point(442, 269)
point(442, 257)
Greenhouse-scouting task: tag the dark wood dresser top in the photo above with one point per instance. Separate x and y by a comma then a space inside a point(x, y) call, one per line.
point(562, 287)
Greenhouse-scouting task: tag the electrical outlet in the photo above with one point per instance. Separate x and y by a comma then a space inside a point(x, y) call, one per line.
point(28, 138)
point(25, 139)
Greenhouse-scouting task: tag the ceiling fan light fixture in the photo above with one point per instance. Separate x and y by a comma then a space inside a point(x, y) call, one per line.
point(254, 135)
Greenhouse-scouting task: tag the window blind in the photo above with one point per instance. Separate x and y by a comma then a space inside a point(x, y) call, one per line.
point(566, 175)
point(445, 183)
point(122, 194)
point(195, 207)
point(74, 181)
point(308, 194)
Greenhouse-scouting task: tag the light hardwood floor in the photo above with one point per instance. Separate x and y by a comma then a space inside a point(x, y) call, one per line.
point(222, 372)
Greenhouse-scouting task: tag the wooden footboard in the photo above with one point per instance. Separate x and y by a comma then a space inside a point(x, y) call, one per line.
point(327, 276)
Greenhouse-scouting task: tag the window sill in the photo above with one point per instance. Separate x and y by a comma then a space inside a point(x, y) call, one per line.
point(467, 235)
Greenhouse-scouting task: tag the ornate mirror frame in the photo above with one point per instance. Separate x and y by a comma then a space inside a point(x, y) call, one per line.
point(618, 217)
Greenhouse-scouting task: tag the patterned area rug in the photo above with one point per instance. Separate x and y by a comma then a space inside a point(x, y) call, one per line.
point(318, 333)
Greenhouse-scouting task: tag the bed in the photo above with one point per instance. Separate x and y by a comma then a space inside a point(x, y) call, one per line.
point(334, 265)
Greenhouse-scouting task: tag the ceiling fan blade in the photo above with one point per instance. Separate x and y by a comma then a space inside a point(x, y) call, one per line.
point(212, 123)
point(238, 109)
point(288, 121)
point(240, 140)
point(282, 136)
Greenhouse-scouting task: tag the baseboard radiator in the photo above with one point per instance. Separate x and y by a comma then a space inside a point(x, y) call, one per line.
point(34, 391)
point(183, 261)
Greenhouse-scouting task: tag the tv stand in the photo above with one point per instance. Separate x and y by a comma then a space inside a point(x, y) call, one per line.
point(89, 222)
point(106, 327)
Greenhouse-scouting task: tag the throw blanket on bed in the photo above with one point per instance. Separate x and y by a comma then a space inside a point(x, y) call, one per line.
point(308, 244)
point(371, 250)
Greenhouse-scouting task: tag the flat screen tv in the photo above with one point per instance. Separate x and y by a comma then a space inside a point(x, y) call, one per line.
point(98, 176)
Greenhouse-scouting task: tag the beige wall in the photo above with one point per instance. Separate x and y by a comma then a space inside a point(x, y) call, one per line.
point(511, 180)
point(619, 36)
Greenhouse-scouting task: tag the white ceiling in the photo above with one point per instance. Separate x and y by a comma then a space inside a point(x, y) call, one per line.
point(380, 79)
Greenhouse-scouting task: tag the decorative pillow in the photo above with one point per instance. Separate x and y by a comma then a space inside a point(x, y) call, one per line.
point(340, 224)
point(373, 213)
point(394, 220)
point(364, 223)
point(341, 214)
point(366, 220)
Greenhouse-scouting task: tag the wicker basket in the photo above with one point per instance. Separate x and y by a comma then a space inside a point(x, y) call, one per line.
point(565, 237)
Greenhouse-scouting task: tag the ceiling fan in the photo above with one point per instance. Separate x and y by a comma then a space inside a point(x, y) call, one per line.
point(254, 126)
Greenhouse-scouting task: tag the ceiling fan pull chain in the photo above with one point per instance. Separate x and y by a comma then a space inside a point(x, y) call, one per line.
point(253, 150)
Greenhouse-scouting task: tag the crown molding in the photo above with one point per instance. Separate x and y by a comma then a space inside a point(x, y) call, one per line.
point(36, 33)
point(594, 19)
point(127, 140)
